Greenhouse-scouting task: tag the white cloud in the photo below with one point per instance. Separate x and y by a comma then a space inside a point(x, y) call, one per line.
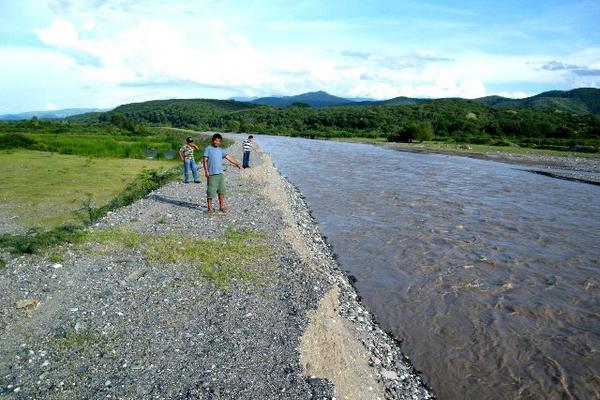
point(514, 95)
point(60, 33)
point(126, 54)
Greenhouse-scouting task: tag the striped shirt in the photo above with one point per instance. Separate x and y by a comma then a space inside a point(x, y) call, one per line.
point(247, 145)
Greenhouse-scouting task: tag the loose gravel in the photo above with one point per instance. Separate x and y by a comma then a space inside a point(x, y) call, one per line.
point(583, 169)
point(105, 321)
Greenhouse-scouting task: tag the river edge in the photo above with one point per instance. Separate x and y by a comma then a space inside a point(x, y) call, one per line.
point(580, 169)
point(105, 322)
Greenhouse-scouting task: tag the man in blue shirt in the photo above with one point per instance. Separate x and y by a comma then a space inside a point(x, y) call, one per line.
point(213, 171)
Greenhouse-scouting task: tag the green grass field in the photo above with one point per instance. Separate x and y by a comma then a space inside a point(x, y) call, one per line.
point(45, 189)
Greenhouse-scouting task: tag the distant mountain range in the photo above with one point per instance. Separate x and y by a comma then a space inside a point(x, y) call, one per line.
point(580, 101)
point(584, 100)
point(53, 114)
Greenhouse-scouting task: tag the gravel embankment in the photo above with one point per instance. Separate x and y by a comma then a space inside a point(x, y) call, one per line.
point(108, 321)
point(583, 169)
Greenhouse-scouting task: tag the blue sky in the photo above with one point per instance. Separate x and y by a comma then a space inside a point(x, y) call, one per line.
point(102, 53)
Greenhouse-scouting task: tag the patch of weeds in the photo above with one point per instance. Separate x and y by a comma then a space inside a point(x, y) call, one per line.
point(75, 339)
point(125, 238)
point(2, 263)
point(161, 220)
point(56, 257)
point(220, 261)
point(36, 240)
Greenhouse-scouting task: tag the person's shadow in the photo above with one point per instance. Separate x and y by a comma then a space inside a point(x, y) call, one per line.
point(179, 203)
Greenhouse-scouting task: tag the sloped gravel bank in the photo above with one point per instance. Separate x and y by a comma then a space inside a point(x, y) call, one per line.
point(582, 169)
point(131, 313)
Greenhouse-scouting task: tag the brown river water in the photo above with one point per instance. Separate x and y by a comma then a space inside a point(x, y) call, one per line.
point(487, 273)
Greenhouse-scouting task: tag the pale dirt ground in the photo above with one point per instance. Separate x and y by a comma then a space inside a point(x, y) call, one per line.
point(328, 348)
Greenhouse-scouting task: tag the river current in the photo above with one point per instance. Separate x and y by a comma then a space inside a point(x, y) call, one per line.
point(487, 273)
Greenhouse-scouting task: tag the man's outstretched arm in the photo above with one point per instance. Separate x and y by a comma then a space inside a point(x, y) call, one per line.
point(233, 161)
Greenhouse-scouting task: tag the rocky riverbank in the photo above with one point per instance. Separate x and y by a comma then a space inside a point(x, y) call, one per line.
point(583, 169)
point(162, 300)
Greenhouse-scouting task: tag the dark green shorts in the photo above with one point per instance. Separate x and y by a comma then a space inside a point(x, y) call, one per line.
point(216, 184)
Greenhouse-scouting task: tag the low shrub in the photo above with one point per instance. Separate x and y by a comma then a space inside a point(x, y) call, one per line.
point(15, 141)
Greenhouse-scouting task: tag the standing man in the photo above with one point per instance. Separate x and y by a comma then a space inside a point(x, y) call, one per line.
point(213, 171)
point(186, 154)
point(247, 147)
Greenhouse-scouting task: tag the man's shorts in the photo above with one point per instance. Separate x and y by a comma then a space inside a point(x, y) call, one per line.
point(216, 184)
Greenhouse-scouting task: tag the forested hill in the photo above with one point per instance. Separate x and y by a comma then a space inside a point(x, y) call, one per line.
point(451, 119)
point(314, 99)
point(583, 100)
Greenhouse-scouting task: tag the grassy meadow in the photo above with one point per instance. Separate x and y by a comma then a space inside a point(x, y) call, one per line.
point(46, 189)
point(57, 177)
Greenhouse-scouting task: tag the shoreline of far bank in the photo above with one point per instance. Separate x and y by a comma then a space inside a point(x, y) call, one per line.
point(569, 167)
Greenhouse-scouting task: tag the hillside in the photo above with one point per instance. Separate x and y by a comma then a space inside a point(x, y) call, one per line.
point(581, 101)
point(176, 112)
point(318, 99)
point(456, 120)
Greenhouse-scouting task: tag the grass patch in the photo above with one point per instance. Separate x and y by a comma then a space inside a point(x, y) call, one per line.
point(220, 261)
point(46, 190)
point(56, 257)
point(37, 240)
point(2, 263)
point(75, 339)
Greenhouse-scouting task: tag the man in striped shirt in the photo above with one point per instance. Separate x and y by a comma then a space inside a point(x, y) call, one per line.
point(247, 147)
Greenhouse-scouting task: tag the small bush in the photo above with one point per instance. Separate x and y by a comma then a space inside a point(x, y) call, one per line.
point(15, 141)
point(36, 241)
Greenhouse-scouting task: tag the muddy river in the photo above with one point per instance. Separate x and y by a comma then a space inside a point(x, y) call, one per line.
point(488, 273)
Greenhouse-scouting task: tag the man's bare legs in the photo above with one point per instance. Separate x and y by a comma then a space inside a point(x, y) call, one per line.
point(209, 203)
point(222, 203)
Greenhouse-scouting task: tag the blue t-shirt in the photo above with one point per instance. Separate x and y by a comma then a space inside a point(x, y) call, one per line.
point(215, 159)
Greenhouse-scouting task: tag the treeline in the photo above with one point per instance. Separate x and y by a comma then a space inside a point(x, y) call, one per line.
point(443, 120)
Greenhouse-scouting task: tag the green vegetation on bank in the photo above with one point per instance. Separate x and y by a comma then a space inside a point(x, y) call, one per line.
point(46, 190)
point(57, 176)
point(447, 120)
point(220, 261)
point(42, 212)
point(95, 140)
